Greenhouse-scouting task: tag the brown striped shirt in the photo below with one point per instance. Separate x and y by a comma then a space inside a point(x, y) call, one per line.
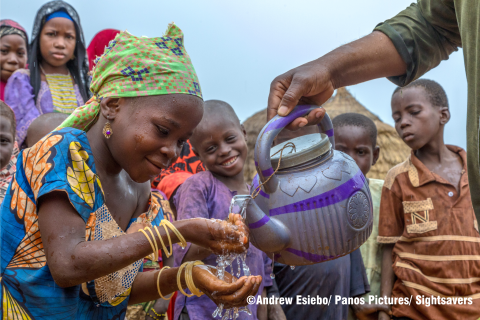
point(437, 245)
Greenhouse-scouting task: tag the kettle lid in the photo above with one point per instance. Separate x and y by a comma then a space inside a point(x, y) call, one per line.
point(307, 147)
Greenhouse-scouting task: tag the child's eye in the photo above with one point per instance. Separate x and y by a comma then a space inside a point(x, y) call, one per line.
point(231, 138)
point(211, 149)
point(415, 112)
point(162, 131)
point(396, 119)
point(3, 51)
point(50, 34)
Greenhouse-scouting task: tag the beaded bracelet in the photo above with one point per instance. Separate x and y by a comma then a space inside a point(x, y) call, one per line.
point(158, 284)
point(158, 314)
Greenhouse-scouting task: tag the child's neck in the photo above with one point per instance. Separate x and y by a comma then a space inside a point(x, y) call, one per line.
point(434, 152)
point(49, 69)
point(234, 183)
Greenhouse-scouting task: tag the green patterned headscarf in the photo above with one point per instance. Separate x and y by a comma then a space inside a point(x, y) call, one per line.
point(138, 67)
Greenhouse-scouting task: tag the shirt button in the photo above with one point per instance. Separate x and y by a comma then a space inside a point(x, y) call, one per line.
point(450, 194)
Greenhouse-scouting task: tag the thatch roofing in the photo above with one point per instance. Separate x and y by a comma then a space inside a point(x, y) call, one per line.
point(392, 149)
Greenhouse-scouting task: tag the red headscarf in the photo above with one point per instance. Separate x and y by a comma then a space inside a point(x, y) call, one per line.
point(98, 44)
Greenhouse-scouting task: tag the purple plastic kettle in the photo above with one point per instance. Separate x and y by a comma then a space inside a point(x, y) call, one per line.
point(317, 206)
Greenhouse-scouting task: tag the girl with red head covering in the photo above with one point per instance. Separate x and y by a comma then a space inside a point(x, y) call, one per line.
point(98, 44)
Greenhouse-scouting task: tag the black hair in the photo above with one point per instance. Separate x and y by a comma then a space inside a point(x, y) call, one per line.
point(7, 112)
point(436, 94)
point(357, 120)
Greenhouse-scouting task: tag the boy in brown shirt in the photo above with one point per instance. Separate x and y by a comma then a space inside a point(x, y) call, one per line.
point(427, 218)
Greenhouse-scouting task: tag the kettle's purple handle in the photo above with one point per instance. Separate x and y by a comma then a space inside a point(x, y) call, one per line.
point(271, 130)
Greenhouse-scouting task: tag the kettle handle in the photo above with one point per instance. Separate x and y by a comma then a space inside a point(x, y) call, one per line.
point(271, 130)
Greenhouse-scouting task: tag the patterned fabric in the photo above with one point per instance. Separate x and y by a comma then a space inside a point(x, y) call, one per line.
point(436, 249)
point(63, 94)
point(172, 177)
point(99, 43)
point(136, 67)
point(19, 96)
point(6, 174)
point(8, 27)
point(60, 161)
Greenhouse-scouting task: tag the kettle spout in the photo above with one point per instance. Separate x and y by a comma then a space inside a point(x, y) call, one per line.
point(267, 234)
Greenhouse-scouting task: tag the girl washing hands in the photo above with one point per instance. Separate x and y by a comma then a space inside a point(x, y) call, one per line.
point(78, 217)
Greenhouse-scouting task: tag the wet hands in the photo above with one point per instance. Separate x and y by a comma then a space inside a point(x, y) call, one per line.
point(231, 292)
point(222, 237)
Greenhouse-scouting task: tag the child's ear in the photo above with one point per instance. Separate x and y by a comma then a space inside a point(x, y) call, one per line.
point(444, 115)
point(110, 107)
point(244, 132)
point(376, 155)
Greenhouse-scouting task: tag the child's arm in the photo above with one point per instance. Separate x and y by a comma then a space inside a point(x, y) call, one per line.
point(73, 261)
point(388, 277)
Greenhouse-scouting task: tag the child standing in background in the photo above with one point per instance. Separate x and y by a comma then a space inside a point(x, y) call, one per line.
point(8, 148)
point(426, 214)
point(13, 51)
point(356, 135)
point(220, 143)
point(344, 276)
point(56, 79)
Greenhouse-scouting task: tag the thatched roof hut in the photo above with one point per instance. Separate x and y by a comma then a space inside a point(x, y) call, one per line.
point(392, 149)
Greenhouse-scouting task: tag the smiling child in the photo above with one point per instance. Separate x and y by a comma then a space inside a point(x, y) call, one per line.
point(220, 143)
point(426, 214)
point(56, 79)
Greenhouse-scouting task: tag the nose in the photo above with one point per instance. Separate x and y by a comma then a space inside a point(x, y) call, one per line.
point(225, 149)
point(12, 58)
point(170, 151)
point(404, 122)
point(59, 43)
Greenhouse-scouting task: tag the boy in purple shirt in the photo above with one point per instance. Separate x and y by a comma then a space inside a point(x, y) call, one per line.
point(220, 143)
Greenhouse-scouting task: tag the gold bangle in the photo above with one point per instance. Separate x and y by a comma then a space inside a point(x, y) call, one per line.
point(179, 282)
point(189, 278)
point(155, 252)
point(168, 254)
point(181, 239)
point(158, 284)
point(148, 238)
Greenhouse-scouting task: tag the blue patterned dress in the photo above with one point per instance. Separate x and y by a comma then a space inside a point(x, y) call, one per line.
point(60, 161)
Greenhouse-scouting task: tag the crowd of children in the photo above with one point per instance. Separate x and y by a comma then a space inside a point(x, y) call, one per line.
point(425, 240)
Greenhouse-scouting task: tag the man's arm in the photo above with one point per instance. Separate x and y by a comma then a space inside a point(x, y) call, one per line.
point(402, 48)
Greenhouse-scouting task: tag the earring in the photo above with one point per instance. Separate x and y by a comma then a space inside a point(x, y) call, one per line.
point(107, 130)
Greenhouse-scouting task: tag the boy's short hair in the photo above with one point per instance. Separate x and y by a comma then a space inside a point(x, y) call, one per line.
point(357, 120)
point(436, 93)
point(7, 112)
point(219, 106)
point(43, 125)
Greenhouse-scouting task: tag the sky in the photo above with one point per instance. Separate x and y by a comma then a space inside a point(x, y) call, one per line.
point(239, 47)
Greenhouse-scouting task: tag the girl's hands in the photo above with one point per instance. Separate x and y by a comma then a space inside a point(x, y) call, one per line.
point(221, 237)
point(231, 292)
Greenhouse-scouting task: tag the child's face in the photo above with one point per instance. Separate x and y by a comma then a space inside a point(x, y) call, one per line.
point(356, 142)
point(148, 132)
point(417, 121)
point(57, 41)
point(7, 140)
point(221, 145)
point(13, 55)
